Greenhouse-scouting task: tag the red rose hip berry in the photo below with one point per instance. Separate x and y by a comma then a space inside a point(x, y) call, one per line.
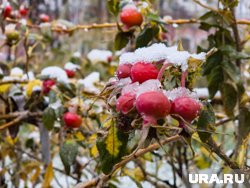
point(153, 105)
point(123, 71)
point(141, 72)
point(23, 11)
point(130, 16)
point(47, 84)
point(70, 73)
point(72, 120)
point(7, 11)
point(125, 103)
point(186, 107)
point(44, 18)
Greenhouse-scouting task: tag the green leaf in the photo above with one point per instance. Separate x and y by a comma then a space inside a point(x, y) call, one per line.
point(244, 119)
point(111, 147)
point(229, 97)
point(113, 6)
point(52, 97)
point(213, 61)
point(146, 36)
point(122, 39)
point(215, 79)
point(231, 70)
point(206, 122)
point(49, 118)
point(155, 18)
point(68, 153)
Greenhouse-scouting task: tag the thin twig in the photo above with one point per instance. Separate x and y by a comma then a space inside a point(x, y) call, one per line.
point(140, 152)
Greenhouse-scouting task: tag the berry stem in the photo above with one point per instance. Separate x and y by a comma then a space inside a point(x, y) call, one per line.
point(164, 66)
point(183, 79)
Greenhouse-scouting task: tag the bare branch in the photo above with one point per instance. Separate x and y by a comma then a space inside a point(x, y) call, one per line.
point(103, 178)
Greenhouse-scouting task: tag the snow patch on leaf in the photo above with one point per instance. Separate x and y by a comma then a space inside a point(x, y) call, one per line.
point(89, 81)
point(55, 72)
point(71, 66)
point(96, 55)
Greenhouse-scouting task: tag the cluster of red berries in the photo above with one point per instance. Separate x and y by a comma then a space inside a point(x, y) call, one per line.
point(21, 13)
point(152, 105)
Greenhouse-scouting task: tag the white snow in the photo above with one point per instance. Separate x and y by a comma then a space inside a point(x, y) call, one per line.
point(30, 76)
point(89, 81)
point(36, 88)
point(16, 72)
point(130, 88)
point(55, 105)
point(1, 71)
point(158, 52)
point(96, 55)
point(149, 85)
point(204, 93)
point(77, 54)
point(55, 72)
point(71, 66)
point(181, 92)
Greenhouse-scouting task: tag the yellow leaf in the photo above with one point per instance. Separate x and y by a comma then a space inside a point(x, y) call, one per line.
point(112, 142)
point(79, 136)
point(194, 64)
point(180, 47)
point(11, 141)
point(49, 175)
point(136, 174)
point(94, 151)
point(5, 88)
point(108, 122)
point(34, 177)
point(31, 85)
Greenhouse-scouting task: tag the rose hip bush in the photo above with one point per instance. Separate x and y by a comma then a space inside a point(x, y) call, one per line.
point(131, 115)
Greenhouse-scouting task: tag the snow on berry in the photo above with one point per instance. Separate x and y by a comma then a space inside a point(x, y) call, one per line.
point(181, 92)
point(130, 88)
point(54, 72)
point(96, 55)
point(71, 66)
point(149, 85)
point(158, 52)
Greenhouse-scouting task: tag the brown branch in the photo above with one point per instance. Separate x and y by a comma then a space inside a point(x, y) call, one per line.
point(19, 116)
point(16, 114)
point(113, 25)
point(103, 178)
point(13, 82)
point(13, 122)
